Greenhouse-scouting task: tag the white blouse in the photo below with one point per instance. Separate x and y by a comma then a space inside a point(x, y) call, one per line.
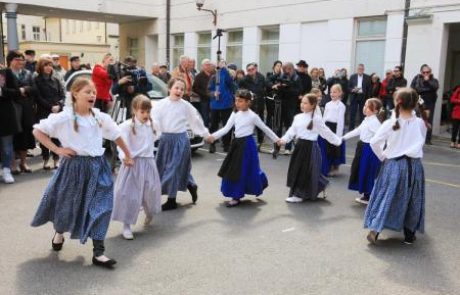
point(91, 130)
point(245, 122)
point(366, 130)
point(176, 116)
point(407, 140)
point(299, 129)
point(140, 144)
point(334, 112)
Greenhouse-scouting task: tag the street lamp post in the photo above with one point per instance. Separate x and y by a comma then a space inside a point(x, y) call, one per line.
point(199, 6)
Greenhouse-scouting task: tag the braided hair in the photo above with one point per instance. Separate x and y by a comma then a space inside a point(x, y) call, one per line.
point(313, 101)
point(406, 99)
point(375, 105)
point(141, 102)
point(77, 86)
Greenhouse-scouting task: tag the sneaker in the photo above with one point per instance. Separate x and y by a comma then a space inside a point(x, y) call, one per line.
point(7, 176)
point(294, 199)
point(363, 200)
point(128, 234)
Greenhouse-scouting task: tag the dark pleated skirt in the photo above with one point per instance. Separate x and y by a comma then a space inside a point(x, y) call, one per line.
point(248, 179)
point(304, 175)
point(330, 159)
point(174, 163)
point(364, 169)
point(398, 198)
point(79, 198)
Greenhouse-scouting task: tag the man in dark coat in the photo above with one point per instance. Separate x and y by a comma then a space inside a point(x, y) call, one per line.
point(255, 82)
point(305, 79)
point(427, 87)
point(360, 88)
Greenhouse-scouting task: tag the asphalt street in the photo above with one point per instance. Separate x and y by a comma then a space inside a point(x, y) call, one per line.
point(264, 246)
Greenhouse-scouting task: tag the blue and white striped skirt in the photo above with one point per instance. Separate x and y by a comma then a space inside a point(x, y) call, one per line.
point(398, 198)
point(79, 198)
point(364, 169)
point(174, 163)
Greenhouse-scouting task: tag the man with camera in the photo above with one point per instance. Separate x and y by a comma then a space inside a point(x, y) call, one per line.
point(360, 87)
point(130, 80)
point(289, 89)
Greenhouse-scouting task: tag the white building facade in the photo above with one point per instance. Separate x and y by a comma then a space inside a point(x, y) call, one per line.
point(326, 33)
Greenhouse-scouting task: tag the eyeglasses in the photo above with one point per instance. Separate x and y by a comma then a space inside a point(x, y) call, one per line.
point(251, 69)
point(18, 59)
point(426, 72)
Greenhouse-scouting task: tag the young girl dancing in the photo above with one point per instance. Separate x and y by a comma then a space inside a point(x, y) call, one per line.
point(139, 185)
point(365, 165)
point(334, 118)
point(240, 171)
point(173, 116)
point(79, 196)
point(304, 175)
point(398, 199)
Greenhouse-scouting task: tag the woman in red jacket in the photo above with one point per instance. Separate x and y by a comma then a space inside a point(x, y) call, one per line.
point(103, 83)
point(455, 100)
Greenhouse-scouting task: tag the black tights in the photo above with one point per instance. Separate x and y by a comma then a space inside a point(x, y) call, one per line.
point(455, 130)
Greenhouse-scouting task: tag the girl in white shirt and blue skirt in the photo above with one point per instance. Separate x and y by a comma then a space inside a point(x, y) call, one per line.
point(334, 118)
point(305, 179)
point(137, 186)
point(365, 165)
point(79, 196)
point(397, 201)
point(173, 116)
point(240, 171)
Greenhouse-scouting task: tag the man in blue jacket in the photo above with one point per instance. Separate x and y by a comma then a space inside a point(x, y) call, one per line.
point(222, 101)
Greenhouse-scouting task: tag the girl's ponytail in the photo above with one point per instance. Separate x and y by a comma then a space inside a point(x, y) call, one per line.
point(396, 125)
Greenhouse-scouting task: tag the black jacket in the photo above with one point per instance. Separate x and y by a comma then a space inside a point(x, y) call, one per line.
point(257, 85)
point(10, 121)
point(200, 86)
point(291, 88)
point(305, 83)
point(270, 80)
point(394, 83)
point(366, 87)
point(426, 89)
point(48, 93)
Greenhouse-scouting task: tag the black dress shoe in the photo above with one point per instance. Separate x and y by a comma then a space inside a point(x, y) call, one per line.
point(193, 189)
point(212, 148)
point(169, 205)
point(107, 264)
point(57, 246)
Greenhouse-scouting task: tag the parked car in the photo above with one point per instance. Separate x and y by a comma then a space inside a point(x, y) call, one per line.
point(159, 91)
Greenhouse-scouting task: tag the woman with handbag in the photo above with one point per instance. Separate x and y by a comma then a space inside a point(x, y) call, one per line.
point(50, 99)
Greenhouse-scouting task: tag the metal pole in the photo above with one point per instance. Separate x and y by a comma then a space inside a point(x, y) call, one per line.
point(2, 39)
point(168, 32)
point(405, 32)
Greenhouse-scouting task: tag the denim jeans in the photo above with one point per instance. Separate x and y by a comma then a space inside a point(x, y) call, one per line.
point(6, 150)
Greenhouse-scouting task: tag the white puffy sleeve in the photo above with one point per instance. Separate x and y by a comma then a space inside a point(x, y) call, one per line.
point(51, 125)
point(341, 119)
point(110, 129)
point(125, 129)
point(353, 133)
point(258, 122)
point(290, 133)
point(374, 125)
point(228, 126)
point(378, 141)
point(325, 132)
point(195, 121)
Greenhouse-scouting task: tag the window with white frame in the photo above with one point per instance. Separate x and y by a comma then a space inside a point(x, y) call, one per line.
point(178, 48)
point(234, 48)
point(203, 46)
point(133, 47)
point(269, 48)
point(36, 33)
point(370, 44)
point(23, 32)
